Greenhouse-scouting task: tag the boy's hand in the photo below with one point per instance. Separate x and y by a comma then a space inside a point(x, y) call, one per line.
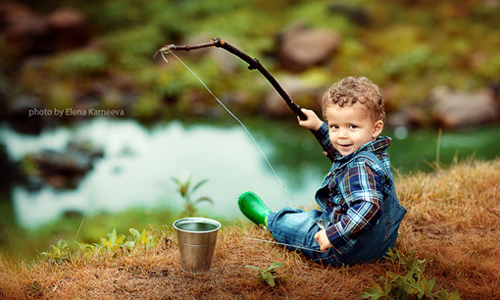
point(313, 122)
point(323, 240)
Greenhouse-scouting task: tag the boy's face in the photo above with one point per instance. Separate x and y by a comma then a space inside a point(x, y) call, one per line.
point(351, 127)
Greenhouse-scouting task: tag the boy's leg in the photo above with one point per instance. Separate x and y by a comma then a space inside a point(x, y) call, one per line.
point(296, 227)
point(253, 208)
point(289, 226)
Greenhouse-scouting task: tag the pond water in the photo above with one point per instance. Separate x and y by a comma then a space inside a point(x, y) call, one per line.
point(139, 164)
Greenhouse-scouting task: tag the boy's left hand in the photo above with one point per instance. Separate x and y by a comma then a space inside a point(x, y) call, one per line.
point(323, 241)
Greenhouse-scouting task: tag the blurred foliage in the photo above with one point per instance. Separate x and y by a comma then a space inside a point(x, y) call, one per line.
point(25, 243)
point(80, 63)
point(411, 45)
point(148, 107)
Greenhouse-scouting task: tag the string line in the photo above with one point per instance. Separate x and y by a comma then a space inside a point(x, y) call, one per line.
point(250, 135)
point(236, 118)
point(283, 244)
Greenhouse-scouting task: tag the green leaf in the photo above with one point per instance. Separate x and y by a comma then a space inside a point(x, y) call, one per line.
point(129, 244)
point(135, 233)
point(198, 185)
point(274, 266)
point(204, 199)
point(269, 279)
point(62, 244)
point(112, 235)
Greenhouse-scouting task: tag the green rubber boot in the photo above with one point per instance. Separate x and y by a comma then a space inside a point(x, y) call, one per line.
point(253, 208)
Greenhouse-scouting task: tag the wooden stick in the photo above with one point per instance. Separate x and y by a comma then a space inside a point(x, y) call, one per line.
point(253, 63)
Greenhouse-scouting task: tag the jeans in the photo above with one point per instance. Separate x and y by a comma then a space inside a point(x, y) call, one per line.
point(295, 227)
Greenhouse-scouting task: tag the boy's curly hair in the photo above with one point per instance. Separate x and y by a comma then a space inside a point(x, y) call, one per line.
point(350, 90)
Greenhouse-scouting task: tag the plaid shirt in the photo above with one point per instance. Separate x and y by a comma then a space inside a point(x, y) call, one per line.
point(351, 193)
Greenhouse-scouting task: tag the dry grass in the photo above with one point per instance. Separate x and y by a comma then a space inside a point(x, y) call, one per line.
point(453, 222)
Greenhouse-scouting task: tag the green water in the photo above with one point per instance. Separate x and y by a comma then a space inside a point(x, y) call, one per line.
point(293, 150)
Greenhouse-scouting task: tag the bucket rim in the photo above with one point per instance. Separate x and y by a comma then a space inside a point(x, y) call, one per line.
point(198, 220)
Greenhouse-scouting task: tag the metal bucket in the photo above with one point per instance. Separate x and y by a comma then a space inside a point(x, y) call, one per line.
point(196, 238)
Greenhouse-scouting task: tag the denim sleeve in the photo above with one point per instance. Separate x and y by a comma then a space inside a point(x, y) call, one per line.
point(362, 190)
point(324, 139)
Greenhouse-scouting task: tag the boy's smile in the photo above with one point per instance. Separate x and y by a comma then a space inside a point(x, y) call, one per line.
point(351, 127)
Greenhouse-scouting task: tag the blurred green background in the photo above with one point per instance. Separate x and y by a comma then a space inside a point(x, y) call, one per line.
point(406, 47)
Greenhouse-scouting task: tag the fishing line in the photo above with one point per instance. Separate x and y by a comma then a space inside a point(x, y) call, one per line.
point(236, 118)
point(278, 243)
point(247, 131)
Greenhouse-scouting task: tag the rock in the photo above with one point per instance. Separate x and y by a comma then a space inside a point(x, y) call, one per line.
point(24, 31)
point(62, 170)
point(53, 162)
point(452, 109)
point(300, 48)
point(414, 116)
point(495, 90)
point(398, 119)
point(70, 28)
point(86, 148)
point(26, 114)
point(299, 92)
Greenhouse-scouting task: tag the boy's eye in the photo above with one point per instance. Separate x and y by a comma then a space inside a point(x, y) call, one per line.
point(353, 126)
point(334, 127)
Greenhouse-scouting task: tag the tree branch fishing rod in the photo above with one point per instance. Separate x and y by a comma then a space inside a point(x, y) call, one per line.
point(253, 64)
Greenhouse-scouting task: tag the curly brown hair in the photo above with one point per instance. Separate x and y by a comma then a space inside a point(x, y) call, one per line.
point(350, 90)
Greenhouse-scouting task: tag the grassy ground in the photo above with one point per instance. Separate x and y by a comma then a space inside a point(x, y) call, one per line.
point(450, 235)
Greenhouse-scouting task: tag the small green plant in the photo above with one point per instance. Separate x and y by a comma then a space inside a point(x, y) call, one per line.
point(59, 253)
point(144, 239)
point(412, 285)
point(186, 191)
point(113, 243)
point(116, 242)
point(268, 275)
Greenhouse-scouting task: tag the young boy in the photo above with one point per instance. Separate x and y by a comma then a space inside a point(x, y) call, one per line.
point(359, 213)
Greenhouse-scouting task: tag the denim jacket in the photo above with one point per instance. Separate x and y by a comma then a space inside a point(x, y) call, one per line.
point(354, 194)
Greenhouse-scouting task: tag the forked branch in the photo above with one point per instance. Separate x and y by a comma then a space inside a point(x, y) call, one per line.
point(253, 63)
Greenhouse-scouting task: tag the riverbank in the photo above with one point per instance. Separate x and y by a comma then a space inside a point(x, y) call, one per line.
point(449, 235)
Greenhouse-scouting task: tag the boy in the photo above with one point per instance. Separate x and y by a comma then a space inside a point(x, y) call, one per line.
point(359, 212)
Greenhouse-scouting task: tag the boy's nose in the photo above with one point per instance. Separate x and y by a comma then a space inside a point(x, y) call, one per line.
point(342, 134)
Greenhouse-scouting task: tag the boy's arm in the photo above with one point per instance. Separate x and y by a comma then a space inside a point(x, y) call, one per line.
point(313, 122)
point(320, 131)
point(362, 189)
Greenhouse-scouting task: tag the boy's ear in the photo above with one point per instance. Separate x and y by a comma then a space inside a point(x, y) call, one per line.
point(377, 128)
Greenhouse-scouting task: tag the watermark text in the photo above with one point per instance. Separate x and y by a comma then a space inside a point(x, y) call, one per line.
point(70, 112)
